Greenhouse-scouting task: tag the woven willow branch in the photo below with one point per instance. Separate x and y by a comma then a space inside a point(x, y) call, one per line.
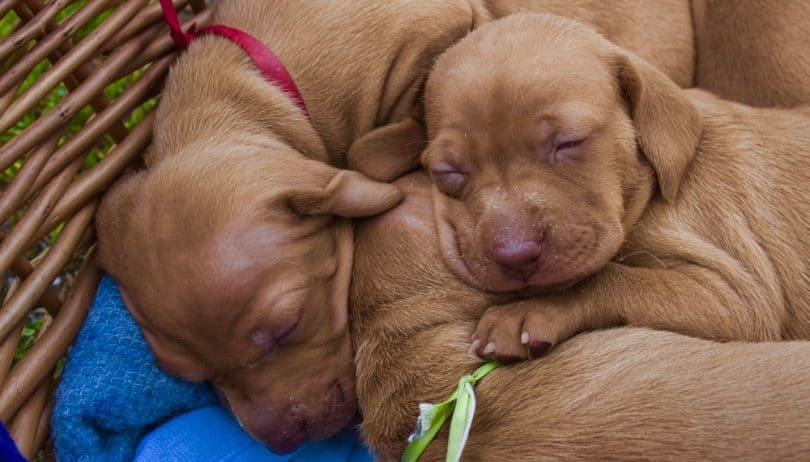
point(49, 188)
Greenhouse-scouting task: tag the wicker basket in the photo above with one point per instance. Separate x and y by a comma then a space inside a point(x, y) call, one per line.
point(65, 139)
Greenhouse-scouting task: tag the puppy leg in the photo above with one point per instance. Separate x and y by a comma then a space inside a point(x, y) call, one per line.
point(527, 329)
point(689, 299)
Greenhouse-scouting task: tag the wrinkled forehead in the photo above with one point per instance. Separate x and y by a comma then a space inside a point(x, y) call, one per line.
point(196, 307)
point(192, 284)
point(534, 91)
point(515, 73)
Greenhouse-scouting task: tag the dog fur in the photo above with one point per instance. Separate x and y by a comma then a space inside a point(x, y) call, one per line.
point(755, 51)
point(233, 250)
point(596, 182)
point(616, 394)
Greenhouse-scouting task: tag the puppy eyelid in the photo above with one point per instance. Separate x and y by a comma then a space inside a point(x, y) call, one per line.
point(568, 142)
point(285, 335)
point(262, 338)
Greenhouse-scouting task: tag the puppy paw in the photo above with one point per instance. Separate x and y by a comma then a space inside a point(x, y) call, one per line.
point(517, 332)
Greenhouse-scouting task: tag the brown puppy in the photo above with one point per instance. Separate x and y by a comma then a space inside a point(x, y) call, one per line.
point(754, 51)
point(228, 248)
point(619, 394)
point(569, 165)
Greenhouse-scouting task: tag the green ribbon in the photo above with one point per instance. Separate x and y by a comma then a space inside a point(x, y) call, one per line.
point(432, 417)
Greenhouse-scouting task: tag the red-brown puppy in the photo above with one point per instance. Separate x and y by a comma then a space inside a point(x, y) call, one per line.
point(232, 248)
point(563, 163)
point(612, 394)
point(241, 279)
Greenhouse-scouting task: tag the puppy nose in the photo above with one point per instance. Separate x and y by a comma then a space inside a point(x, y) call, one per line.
point(518, 256)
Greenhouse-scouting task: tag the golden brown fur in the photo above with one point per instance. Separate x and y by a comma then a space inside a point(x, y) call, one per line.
point(618, 394)
point(754, 51)
point(672, 209)
point(231, 248)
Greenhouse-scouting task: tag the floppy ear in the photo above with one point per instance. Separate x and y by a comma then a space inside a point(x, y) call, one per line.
point(388, 152)
point(113, 219)
point(667, 123)
point(348, 194)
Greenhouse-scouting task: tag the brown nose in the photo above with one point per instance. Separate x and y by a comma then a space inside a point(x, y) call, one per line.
point(517, 256)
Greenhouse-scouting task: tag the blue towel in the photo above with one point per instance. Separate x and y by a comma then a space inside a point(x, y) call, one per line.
point(112, 393)
point(188, 438)
point(8, 450)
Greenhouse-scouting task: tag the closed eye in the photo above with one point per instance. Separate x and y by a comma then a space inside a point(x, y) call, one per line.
point(449, 179)
point(285, 335)
point(569, 144)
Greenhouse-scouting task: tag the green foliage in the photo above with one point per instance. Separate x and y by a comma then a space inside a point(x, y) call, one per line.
point(29, 334)
point(7, 23)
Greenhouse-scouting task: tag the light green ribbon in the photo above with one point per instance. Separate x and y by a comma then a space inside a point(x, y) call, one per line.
point(432, 417)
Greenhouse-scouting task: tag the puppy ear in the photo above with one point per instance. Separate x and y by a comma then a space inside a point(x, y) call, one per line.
point(113, 219)
point(667, 123)
point(348, 194)
point(389, 152)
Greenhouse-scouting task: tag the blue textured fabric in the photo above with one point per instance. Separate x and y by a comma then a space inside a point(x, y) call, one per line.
point(8, 450)
point(211, 434)
point(112, 391)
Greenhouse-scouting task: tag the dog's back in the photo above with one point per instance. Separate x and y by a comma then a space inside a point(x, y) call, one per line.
point(616, 394)
point(754, 51)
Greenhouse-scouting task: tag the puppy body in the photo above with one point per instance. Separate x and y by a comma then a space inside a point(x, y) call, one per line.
point(737, 228)
point(614, 394)
point(756, 52)
point(619, 197)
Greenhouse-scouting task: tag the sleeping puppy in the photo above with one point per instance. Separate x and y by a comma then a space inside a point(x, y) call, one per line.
point(233, 250)
point(755, 51)
point(564, 165)
point(617, 394)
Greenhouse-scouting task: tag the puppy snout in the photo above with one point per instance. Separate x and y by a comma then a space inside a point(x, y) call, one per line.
point(518, 256)
point(516, 246)
point(281, 432)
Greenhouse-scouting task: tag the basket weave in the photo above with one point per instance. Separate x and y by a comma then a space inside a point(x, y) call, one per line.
point(50, 196)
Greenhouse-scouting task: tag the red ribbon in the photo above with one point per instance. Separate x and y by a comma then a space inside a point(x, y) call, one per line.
point(267, 62)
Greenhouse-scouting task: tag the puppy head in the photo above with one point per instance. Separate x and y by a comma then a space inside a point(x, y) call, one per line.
point(236, 265)
point(545, 142)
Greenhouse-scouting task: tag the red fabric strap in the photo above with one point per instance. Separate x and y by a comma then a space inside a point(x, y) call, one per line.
point(267, 62)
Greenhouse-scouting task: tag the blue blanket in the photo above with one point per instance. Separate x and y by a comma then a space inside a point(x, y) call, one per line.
point(112, 393)
point(8, 450)
point(188, 438)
